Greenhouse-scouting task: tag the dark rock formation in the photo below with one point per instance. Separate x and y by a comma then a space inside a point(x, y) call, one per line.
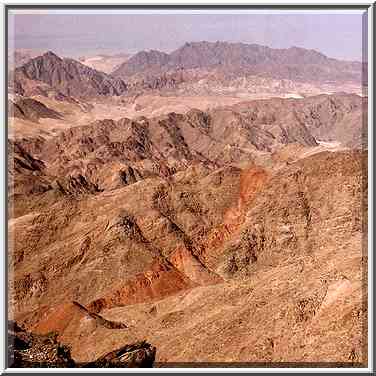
point(68, 76)
point(26, 349)
point(73, 185)
point(30, 350)
point(137, 355)
point(31, 109)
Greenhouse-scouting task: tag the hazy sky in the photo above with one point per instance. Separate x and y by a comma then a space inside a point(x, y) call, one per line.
point(337, 34)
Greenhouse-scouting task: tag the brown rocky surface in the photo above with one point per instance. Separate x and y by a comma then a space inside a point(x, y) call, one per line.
point(282, 248)
point(108, 154)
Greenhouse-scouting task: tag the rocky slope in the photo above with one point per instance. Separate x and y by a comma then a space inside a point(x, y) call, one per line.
point(112, 154)
point(67, 76)
point(142, 61)
point(30, 109)
point(266, 256)
point(227, 235)
point(340, 117)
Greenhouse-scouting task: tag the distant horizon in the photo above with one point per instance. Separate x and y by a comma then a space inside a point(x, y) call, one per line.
point(75, 35)
point(78, 56)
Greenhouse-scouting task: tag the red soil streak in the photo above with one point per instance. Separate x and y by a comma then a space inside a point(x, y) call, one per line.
point(160, 281)
point(56, 319)
point(164, 279)
point(252, 180)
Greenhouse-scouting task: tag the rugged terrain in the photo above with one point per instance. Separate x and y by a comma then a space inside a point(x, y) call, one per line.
point(66, 76)
point(33, 351)
point(291, 63)
point(225, 68)
point(227, 230)
point(199, 68)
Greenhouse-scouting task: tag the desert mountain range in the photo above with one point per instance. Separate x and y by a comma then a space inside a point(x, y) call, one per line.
point(199, 67)
point(239, 58)
point(211, 201)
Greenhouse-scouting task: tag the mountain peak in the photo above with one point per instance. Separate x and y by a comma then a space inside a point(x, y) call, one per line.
point(57, 72)
point(51, 55)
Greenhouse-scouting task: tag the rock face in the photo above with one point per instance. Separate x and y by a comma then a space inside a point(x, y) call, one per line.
point(67, 76)
point(138, 355)
point(288, 218)
point(31, 350)
point(26, 349)
point(340, 118)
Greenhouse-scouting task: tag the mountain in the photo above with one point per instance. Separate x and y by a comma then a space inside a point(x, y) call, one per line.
point(108, 154)
point(199, 68)
point(243, 59)
point(142, 61)
point(67, 76)
point(340, 117)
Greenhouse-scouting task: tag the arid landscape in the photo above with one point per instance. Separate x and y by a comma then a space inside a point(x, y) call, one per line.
point(202, 207)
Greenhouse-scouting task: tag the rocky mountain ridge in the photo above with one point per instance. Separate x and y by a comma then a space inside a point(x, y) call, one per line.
point(198, 67)
point(67, 76)
point(231, 60)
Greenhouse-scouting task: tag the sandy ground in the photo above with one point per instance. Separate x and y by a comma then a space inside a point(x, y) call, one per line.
point(104, 63)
